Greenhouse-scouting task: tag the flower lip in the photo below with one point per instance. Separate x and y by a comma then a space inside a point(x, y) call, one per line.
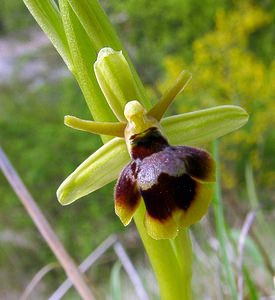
point(174, 183)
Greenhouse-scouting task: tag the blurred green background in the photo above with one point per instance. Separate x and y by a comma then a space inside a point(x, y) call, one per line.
point(229, 48)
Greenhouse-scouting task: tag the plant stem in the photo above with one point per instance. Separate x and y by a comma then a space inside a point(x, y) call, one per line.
point(183, 249)
point(171, 261)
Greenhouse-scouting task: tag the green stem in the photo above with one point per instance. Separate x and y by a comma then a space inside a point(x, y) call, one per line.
point(221, 226)
point(183, 250)
point(171, 261)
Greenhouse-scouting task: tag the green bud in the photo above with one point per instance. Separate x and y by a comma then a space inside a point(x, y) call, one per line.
point(115, 80)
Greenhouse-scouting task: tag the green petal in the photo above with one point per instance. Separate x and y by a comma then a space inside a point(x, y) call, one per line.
point(104, 128)
point(161, 106)
point(202, 126)
point(99, 169)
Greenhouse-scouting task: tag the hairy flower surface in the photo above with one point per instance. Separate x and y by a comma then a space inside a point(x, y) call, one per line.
point(175, 182)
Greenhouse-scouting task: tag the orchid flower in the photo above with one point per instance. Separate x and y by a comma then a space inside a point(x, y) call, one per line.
point(175, 182)
point(124, 117)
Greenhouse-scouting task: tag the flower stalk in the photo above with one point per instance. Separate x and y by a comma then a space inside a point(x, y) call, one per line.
point(171, 261)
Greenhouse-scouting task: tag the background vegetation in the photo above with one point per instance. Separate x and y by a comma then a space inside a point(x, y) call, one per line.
point(229, 48)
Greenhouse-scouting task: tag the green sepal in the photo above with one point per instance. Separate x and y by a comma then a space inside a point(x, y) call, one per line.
point(99, 169)
point(199, 127)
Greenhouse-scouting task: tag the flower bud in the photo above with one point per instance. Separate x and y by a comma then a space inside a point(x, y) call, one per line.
point(115, 80)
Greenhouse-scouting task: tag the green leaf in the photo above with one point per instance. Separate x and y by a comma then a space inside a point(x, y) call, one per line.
point(202, 126)
point(116, 282)
point(83, 56)
point(99, 169)
point(48, 17)
point(251, 287)
point(221, 227)
point(96, 24)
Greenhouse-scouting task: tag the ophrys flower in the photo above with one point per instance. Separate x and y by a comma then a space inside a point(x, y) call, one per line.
point(174, 182)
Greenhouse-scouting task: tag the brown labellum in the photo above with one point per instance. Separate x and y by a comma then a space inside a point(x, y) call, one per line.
point(174, 183)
